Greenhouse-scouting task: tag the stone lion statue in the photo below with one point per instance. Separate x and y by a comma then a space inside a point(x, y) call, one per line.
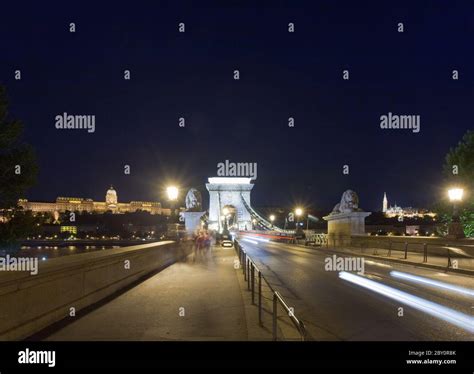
point(193, 200)
point(349, 203)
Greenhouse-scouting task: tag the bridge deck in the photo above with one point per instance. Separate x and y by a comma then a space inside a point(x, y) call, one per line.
point(209, 291)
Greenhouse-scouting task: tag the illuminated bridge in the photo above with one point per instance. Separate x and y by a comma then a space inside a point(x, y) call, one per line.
point(268, 286)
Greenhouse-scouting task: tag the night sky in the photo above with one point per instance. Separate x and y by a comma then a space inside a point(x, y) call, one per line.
point(282, 75)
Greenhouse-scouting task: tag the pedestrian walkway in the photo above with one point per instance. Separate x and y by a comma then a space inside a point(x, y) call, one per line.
point(190, 300)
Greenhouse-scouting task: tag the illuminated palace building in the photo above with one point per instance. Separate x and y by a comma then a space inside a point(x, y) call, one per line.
point(78, 204)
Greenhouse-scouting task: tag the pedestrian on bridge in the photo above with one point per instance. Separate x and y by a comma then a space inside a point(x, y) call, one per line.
point(207, 242)
point(198, 244)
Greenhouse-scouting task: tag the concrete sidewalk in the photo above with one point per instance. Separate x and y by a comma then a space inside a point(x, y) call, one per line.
point(191, 300)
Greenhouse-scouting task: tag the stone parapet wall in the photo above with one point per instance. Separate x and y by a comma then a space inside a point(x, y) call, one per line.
point(29, 303)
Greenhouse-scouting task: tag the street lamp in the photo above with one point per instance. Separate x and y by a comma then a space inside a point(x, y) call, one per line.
point(298, 212)
point(173, 192)
point(455, 229)
point(455, 194)
point(272, 218)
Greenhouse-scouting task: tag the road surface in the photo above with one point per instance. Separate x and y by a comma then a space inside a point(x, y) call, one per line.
point(337, 309)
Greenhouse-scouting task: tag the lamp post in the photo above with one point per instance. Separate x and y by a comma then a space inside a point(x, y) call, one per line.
point(272, 218)
point(173, 192)
point(225, 218)
point(298, 213)
point(455, 229)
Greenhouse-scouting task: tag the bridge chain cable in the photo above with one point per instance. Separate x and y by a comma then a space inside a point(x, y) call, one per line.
point(262, 221)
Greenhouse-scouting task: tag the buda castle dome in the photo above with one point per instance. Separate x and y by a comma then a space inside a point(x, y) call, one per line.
point(111, 197)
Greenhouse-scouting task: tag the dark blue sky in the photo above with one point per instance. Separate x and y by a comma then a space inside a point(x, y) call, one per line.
point(282, 74)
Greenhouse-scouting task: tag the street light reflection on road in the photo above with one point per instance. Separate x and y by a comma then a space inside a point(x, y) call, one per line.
point(449, 315)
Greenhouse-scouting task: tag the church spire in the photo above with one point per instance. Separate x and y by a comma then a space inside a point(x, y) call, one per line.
point(385, 202)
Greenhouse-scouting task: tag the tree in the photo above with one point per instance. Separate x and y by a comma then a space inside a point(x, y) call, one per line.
point(18, 171)
point(459, 170)
point(459, 163)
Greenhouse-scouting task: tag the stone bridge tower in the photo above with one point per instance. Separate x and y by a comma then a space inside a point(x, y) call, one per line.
point(229, 191)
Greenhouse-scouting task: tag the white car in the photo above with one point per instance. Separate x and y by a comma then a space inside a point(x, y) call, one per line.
point(226, 241)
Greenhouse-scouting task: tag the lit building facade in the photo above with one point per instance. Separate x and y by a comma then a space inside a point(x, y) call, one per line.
point(408, 212)
point(77, 204)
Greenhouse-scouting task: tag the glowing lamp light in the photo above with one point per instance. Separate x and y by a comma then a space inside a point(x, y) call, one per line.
point(455, 194)
point(298, 211)
point(172, 192)
point(272, 218)
point(229, 180)
point(225, 211)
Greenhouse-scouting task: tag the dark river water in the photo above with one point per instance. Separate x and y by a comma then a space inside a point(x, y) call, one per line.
point(44, 252)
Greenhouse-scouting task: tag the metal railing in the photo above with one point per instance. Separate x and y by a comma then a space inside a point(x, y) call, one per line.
point(418, 247)
point(250, 269)
point(317, 238)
